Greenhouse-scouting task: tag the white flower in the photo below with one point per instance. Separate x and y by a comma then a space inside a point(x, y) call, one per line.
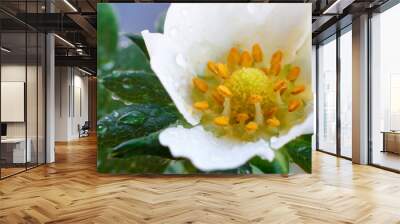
point(196, 35)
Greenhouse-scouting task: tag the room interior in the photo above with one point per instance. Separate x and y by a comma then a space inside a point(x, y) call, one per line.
point(48, 92)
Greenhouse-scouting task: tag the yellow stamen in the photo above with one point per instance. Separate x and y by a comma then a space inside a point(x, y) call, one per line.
point(222, 70)
point(227, 107)
point(257, 53)
point(293, 105)
point(278, 85)
point(217, 97)
point(224, 91)
point(293, 73)
point(271, 111)
point(276, 57)
point(201, 105)
point(221, 120)
point(265, 70)
point(234, 56)
point(298, 89)
point(245, 59)
point(242, 117)
point(251, 126)
point(200, 84)
point(255, 99)
point(283, 88)
point(273, 122)
point(275, 69)
point(212, 66)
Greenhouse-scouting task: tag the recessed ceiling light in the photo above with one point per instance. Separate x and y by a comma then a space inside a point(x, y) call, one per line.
point(84, 71)
point(65, 41)
point(70, 5)
point(5, 50)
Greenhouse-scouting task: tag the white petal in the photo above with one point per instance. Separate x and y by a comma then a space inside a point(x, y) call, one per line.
point(307, 127)
point(197, 33)
point(209, 153)
point(207, 31)
point(175, 79)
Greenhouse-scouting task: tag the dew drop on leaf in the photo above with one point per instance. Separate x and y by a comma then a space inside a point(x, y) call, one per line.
point(115, 97)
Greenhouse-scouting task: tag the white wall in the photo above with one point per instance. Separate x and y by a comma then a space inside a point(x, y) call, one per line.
point(71, 94)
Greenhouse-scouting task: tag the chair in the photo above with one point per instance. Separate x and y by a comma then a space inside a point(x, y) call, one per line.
point(84, 130)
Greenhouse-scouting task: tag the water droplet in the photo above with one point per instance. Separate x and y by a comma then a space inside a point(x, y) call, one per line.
point(173, 31)
point(115, 114)
point(126, 86)
point(108, 66)
point(184, 12)
point(252, 8)
point(115, 97)
point(181, 61)
point(127, 103)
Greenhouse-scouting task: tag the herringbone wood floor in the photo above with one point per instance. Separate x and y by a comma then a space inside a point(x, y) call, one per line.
point(70, 191)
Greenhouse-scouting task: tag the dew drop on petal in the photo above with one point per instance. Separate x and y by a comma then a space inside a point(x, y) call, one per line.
point(252, 8)
point(173, 31)
point(181, 61)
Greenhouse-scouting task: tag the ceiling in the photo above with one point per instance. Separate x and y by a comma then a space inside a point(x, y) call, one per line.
point(75, 22)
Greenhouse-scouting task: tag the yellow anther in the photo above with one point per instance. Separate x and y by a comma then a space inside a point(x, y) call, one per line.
point(224, 91)
point(251, 126)
point(276, 57)
point(254, 98)
point(275, 69)
point(265, 70)
point(293, 105)
point(271, 111)
point(217, 97)
point(245, 59)
point(200, 84)
point(273, 122)
point(212, 66)
point(278, 85)
point(234, 56)
point(242, 117)
point(293, 73)
point(201, 105)
point(221, 120)
point(298, 89)
point(257, 53)
point(283, 88)
point(222, 70)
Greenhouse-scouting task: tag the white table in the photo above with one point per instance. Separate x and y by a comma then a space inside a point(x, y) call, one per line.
point(19, 155)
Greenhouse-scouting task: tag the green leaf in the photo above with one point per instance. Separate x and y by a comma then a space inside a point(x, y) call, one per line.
point(107, 33)
point(159, 25)
point(137, 87)
point(280, 164)
point(131, 58)
point(299, 150)
point(106, 103)
point(146, 145)
point(282, 161)
point(138, 40)
point(134, 121)
point(181, 166)
point(139, 164)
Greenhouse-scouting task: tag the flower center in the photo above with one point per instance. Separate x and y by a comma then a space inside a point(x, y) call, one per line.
point(245, 99)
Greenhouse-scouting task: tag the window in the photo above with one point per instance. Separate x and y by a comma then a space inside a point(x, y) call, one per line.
point(385, 89)
point(346, 93)
point(327, 97)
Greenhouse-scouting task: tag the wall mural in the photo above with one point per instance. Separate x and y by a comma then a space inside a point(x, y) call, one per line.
point(211, 88)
